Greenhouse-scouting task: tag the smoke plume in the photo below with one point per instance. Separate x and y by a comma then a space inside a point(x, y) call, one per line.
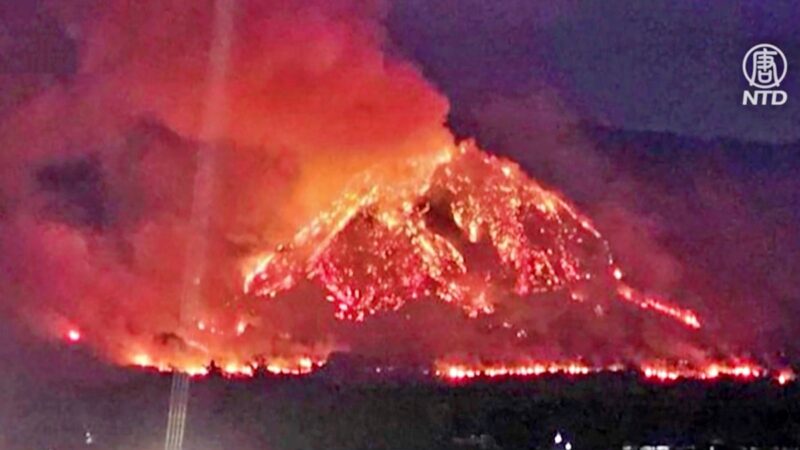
point(120, 174)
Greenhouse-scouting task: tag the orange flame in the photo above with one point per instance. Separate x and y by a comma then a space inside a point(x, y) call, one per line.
point(375, 249)
point(654, 371)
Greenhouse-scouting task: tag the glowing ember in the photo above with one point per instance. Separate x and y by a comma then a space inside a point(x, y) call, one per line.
point(379, 248)
point(685, 316)
point(737, 370)
point(457, 372)
point(280, 366)
point(656, 371)
point(73, 335)
point(785, 376)
point(232, 369)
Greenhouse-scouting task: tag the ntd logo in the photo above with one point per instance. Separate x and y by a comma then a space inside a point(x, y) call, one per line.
point(774, 98)
point(764, 66)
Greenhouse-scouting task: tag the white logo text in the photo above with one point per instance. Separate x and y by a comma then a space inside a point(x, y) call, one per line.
point(764, 66)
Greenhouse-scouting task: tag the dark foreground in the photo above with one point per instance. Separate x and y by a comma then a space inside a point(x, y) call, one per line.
point(324, 412)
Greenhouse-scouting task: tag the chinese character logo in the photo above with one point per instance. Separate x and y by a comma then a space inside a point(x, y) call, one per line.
point(764, 66)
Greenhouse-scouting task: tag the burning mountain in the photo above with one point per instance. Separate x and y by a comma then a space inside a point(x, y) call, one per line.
point(169, 207)
point(475, 232)
point(381, 246)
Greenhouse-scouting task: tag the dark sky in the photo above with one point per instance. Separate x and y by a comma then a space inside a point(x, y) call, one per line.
point(657, 65)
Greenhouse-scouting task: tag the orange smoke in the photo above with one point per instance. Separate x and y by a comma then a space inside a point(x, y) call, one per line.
point(329, 175)
point(97, 171)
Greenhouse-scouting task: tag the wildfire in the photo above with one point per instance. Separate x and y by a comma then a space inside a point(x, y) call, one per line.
point(741, 370)
point(685, 316)
point(378, 247)
point(382, 245)
point(294, 366)
point(457, 372)
point(653, 371)
point(658, 371)
point(353, 160)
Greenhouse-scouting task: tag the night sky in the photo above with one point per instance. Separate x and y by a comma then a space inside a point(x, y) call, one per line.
point(659, 66)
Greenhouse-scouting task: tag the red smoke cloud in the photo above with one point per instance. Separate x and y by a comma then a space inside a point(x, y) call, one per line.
point(102, 174)
point(98, 169)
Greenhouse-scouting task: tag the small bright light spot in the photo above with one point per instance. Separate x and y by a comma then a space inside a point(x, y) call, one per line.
point(306, 363)
point(241, 327)
point(142, 359)
point(784, 377)
point(558, 438)
point(568, 446)
point(617, 273)
point(74, 335)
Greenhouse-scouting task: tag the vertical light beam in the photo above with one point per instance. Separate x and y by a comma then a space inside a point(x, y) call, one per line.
point(212, 125)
